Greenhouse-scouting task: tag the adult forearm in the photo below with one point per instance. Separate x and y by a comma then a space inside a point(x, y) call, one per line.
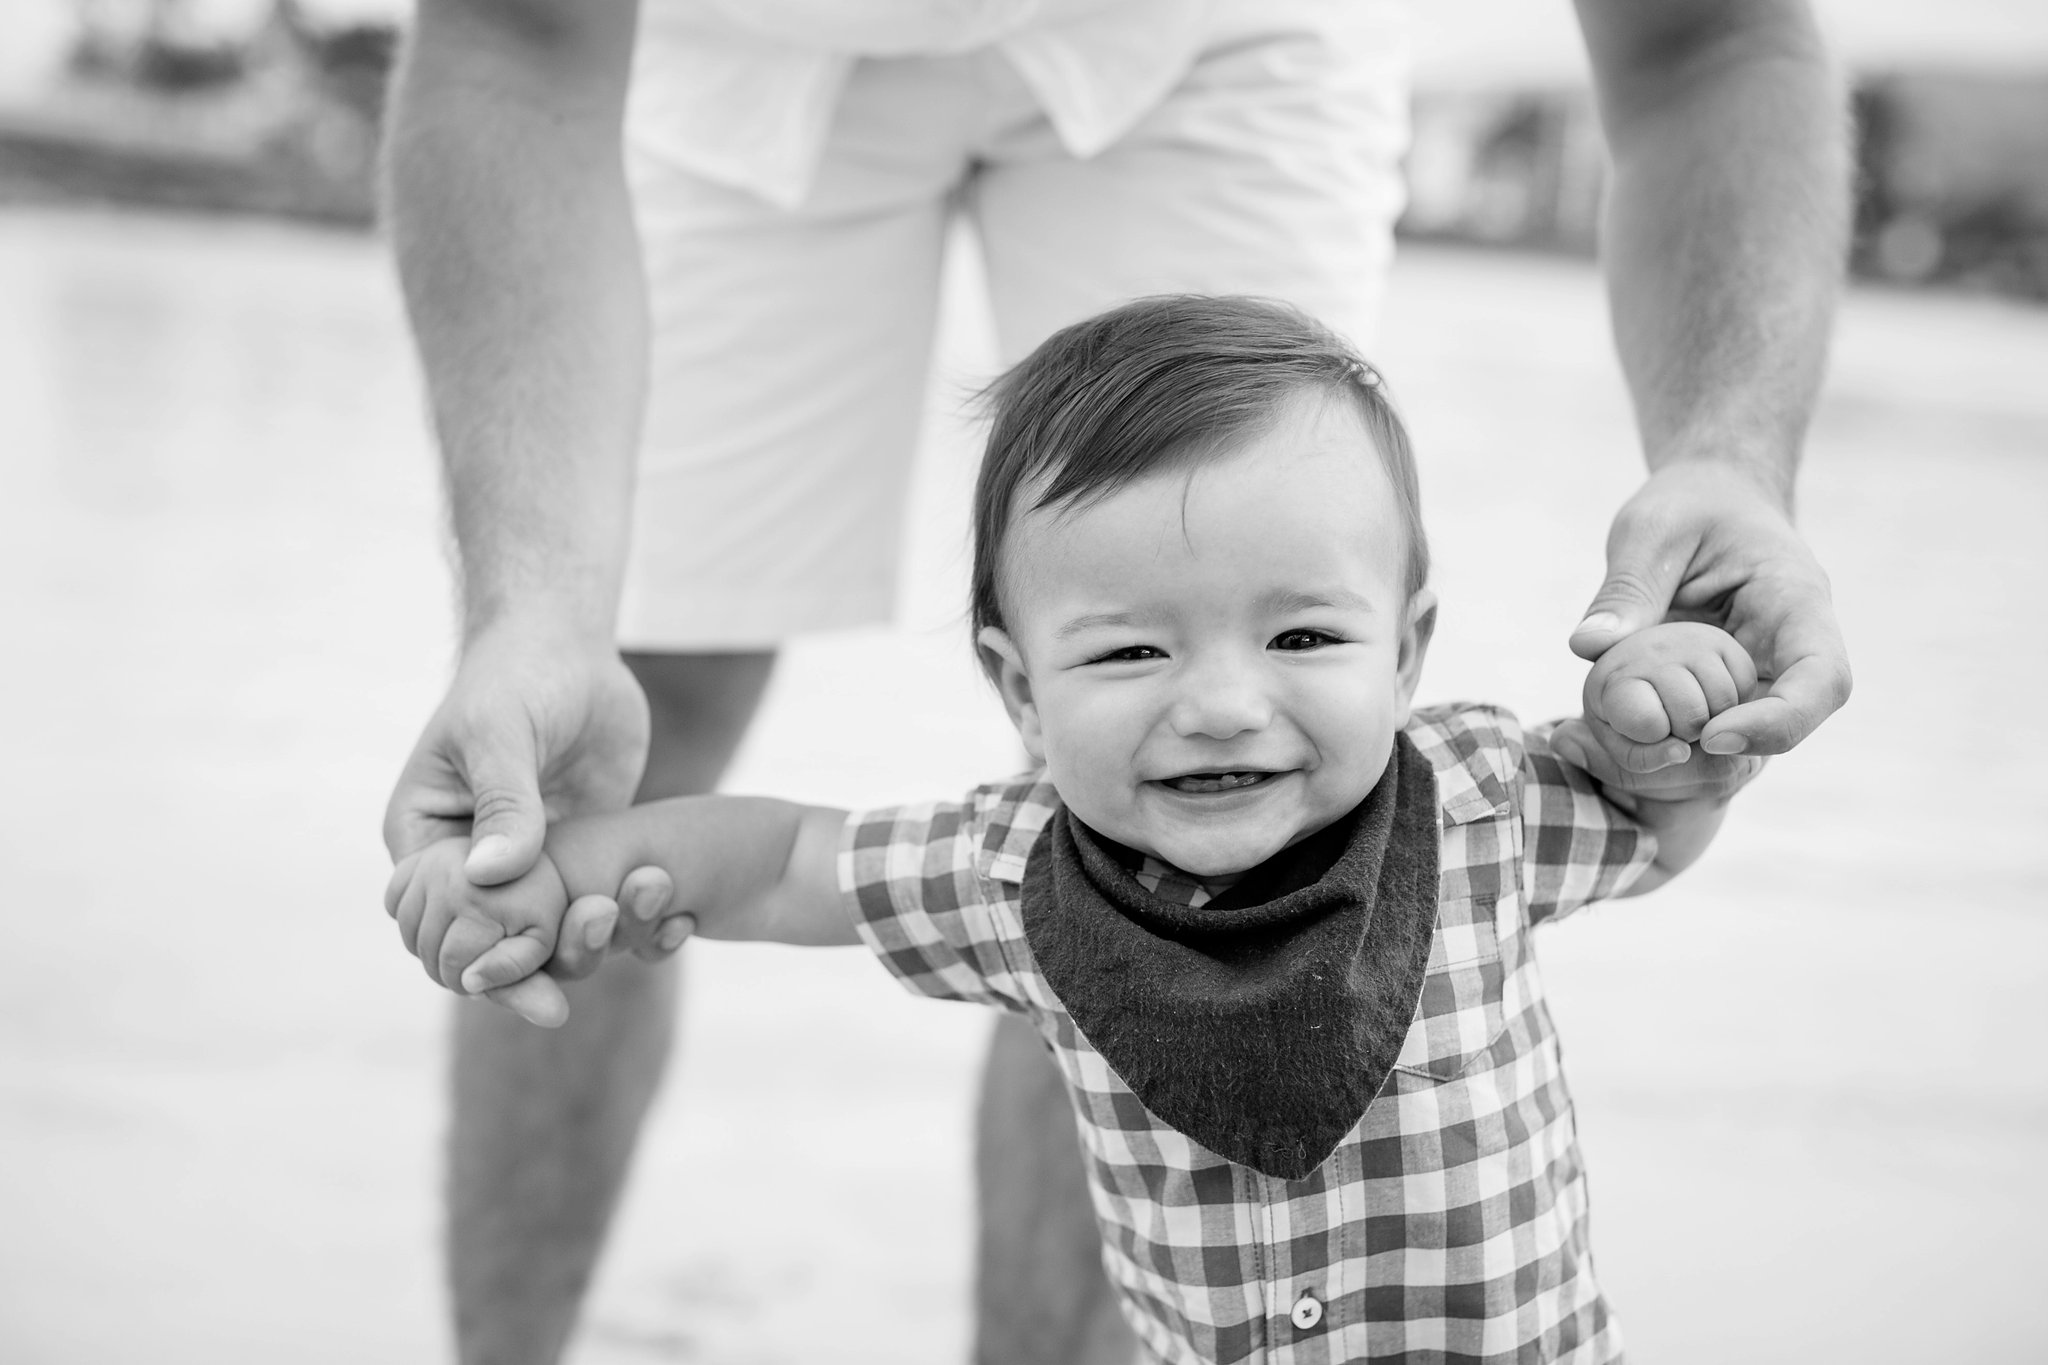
point(1726, 227)
point(507, 204)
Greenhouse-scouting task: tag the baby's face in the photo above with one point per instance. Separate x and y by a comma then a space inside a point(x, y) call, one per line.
point(1213, 662)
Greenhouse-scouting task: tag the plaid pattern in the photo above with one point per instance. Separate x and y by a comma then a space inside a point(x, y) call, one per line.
point(1450, 1224)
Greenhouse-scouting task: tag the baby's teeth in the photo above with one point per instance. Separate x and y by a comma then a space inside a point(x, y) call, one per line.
point(1220, 782)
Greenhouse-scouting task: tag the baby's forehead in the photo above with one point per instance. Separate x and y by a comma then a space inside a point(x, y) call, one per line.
point(1217, 508)
point(1300, 446)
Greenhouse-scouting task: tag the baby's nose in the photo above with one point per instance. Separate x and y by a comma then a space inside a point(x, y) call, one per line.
point(1221, 703)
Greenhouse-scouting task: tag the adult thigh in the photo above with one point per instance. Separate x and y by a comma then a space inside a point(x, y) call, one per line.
point(1272, 169)
point(789, 351)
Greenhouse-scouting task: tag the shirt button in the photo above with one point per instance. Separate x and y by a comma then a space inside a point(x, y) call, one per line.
point(1308, 1311)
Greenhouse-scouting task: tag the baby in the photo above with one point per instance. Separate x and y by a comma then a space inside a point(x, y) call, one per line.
point(1272, 921)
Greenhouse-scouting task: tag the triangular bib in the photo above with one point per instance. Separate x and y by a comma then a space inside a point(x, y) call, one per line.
point(1263, 1023)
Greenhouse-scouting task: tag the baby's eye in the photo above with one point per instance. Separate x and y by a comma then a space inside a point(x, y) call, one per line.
point(1295, 641)
point(1130, 654)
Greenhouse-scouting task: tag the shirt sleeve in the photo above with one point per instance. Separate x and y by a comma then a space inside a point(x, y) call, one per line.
point(1577, 846)
point(913, 885)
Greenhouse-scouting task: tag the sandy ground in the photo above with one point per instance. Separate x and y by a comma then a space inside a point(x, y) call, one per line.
point(1811, 1077)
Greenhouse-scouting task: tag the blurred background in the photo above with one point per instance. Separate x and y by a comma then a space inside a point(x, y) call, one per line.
point(1812, 1076)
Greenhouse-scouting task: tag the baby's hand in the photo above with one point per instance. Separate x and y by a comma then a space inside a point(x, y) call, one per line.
point(482, 939)
point(1659, 687)
point(1648, 699)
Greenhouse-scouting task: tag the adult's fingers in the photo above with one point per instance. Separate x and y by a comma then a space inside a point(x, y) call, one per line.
point(646, 892)
point(467, 940)
point(414, 818)
point(508, 822)
point(1647, 558)
point(674, 932)
point(585, 937)
point(1797, 703)
point(1813, 687)
point(644, 900)
point(537, 999)
point(505, 962)
point(430, 800)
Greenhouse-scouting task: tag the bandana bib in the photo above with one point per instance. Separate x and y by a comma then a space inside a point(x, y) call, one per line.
point(1263, 1023)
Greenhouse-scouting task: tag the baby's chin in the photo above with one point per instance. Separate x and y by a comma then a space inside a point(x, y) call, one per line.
point(1203, 854)
point(1212, 863)
point(1220, 848)
point(1232, 850)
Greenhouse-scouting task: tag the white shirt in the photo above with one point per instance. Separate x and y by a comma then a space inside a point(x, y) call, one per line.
point(743, 91)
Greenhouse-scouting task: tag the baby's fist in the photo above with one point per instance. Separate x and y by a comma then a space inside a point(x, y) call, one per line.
point(481, 939)
point(1667, 681)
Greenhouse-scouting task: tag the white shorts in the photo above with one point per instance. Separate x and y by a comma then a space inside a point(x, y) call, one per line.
point(791, 346)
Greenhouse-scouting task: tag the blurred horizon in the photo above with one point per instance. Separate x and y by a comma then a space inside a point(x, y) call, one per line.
point(1457, 42)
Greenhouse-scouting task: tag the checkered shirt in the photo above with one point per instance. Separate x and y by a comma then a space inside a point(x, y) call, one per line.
point(1450, 1223)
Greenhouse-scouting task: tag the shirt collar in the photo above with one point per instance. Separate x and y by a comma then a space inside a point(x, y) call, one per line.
point(1467, 789)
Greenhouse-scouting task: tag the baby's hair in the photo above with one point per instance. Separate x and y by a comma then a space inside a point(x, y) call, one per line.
point(1160, 383)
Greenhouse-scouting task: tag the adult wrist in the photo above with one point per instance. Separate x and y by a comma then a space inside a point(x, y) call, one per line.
point(1765, 468)
point(582, 622)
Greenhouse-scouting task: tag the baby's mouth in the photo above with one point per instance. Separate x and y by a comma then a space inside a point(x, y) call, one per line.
point(1216, 782)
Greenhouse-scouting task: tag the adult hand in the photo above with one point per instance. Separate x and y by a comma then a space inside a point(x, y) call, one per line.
point(1706, 541)
point(538, 724)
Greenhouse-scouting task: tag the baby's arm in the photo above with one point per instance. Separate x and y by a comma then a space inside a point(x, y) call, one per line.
point(743, 867)
point(1665, 683)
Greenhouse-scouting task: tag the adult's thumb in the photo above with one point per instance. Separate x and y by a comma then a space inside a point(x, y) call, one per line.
point(508, 823)
point(1642, 578)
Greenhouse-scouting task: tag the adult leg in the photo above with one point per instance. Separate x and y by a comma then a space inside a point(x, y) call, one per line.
point(790, 349)
point(1272, 169)
point(1040, 1294)
point(545, 1122)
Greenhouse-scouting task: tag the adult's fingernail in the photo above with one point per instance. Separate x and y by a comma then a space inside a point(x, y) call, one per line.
point(644, 903)
point(485, 849)
point(1728, 742)
point(1600, 622)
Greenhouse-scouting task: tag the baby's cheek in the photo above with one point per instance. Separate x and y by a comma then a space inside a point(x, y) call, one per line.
point(1082, 786)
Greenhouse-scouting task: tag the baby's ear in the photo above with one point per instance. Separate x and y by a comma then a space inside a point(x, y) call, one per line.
point(1004, 664)
point(1418, 624)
